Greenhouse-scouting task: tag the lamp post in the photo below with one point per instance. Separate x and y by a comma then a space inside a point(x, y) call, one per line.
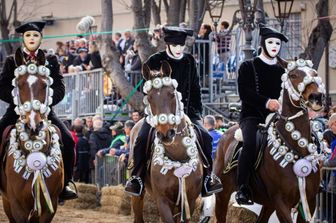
point(215, 8)
point(282, 10)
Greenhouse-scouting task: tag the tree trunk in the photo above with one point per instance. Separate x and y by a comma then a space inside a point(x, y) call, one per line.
point(196, 15)
point(110, 58)
point(320, 35)
point(156, 9)
point(173, 13)
point(4, 22)
point(144, 45)
point(147, 12)
point(183, 7)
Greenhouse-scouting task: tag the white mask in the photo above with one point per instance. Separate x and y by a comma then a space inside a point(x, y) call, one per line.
point(175, 51)
point(273, 46)
point(32, 40)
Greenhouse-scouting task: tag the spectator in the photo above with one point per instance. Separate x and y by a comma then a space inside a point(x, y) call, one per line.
point(81, 62)
point(83, 155)
point(209, 124)
point(100, 137)
point(132, 59)
point(123, 152)
point(129, 41)
point(223, 39)
point(119, 140)
point(88, 129)
point(119, 42)
point(203, 50)
point(136, 116)
point(95, 58)
point(220, 125)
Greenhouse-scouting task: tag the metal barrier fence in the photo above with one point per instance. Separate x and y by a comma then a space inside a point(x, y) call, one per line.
point(109, 171)
point(326, 200)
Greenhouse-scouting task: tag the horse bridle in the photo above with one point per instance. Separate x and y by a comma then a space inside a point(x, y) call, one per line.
point(297, 95)
point(22, 109)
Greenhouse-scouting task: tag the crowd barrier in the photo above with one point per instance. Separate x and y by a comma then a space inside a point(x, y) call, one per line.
point(109, 171)
point(326, 200)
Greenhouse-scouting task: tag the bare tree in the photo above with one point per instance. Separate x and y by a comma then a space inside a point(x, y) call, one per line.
point(5, 22)
point(173, 13)
point(320, 35)
point(156, 10)
point(110, 57)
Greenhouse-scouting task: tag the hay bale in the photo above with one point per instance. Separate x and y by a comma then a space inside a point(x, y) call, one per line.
point(240, 214)
point(114, 200)
point(87, 197)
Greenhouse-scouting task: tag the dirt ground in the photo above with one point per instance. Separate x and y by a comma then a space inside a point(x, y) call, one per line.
point(67, 214)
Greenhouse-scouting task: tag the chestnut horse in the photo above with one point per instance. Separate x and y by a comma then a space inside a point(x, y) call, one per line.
point(290, 157)
point(32, 171)
point(174, 177)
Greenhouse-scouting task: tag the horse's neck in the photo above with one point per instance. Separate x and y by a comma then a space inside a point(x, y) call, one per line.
point(301, 123)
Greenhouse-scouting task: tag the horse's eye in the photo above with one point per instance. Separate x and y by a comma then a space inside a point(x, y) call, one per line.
point(293, 76)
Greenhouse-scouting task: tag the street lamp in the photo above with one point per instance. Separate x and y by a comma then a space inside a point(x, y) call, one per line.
point(215, 8)
point(282, 10)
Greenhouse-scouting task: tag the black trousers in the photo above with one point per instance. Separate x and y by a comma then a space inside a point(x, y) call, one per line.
point(247, 157)
point(140, 156)
point(10, 118)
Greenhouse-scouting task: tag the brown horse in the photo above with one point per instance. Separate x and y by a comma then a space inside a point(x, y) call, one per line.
point(175, 174)
point(289, 156)
point(32, 171)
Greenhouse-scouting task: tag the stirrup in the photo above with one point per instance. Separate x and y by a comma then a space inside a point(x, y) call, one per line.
point(214, 178)
point(138, 179)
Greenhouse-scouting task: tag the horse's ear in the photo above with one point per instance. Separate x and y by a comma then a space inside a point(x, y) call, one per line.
point(165, 68)
point(19, 58)
point(283, 63)
point(40, 57)
point(146, 73)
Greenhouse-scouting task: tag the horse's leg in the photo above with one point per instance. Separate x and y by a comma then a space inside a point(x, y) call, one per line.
point(265, 214)
point(7, 209)
point(312, 205)
point(165, 210)
point(19, 214)
point(137, 205)
point(283, 211)
point(223, 197)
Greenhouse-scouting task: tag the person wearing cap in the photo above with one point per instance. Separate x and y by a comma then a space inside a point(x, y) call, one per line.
point(259, 86)
point(118, 140)
point(185, 73)
point(29, 51)
point(81, 61)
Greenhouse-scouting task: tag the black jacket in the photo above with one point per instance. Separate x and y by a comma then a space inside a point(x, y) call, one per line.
point(83, 152)
point(99, 139)
point(185, 73)
point(7, 76)
point(268, 79)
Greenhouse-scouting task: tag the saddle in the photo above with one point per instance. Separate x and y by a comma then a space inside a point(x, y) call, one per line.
point(261, 143)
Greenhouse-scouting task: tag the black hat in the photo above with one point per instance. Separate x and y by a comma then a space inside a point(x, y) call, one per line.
point(82, 49)
point(268, 32)
point(30, 26)
point(176, 35)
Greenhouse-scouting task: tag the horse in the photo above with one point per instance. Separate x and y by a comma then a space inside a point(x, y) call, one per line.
point(174, 176)
point(32, 171)
point(288, 170)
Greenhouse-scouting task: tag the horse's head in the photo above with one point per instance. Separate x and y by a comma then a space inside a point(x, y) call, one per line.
point(164, 108)
point(32, 94)
point(305, 89)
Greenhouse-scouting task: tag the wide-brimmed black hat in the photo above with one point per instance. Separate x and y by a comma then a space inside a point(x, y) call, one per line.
point(30, 26)
point(176, 35)
point(268, 32)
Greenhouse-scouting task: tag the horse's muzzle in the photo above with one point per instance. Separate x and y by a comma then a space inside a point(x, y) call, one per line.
point(168, 138)
point(316, 101)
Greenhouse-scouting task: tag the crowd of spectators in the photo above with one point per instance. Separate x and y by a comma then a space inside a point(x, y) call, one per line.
point(95, 139)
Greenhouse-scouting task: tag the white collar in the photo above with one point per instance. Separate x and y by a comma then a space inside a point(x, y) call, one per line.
point(171, 56)
point(28, 52)
point(268, 61)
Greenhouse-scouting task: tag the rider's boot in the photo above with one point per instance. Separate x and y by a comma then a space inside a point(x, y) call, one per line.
point(135, 184)
point(211, 183)
point(244, 196)
point(68, 160)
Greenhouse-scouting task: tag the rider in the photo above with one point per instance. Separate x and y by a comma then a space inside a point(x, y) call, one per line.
point(259, 86)
point(184, 71)
point(32, 38)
